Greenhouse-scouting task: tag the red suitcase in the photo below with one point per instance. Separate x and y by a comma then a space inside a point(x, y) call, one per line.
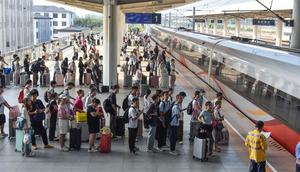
point(59, 78)
point(154, 81)
point(105, 143)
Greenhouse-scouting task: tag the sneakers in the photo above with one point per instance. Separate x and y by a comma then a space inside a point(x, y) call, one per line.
point(4, 135)
point(64, 149)
point(173, 153)
point(92, 150)
point(34, 147)
point(48, 146)
point(158, 149)
point(181, 142)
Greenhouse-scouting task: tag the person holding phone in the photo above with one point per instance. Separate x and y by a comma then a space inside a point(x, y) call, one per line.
point(133, 115)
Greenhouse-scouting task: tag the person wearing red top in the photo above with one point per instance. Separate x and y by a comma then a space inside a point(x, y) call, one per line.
point(78, 103)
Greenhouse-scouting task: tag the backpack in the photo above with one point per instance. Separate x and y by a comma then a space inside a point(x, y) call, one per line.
point(148, 67)
point(46, 96)
point(35, 66)
point(107, 105)
point(20, 122)
point(126, 116)
point(168, 66)
point(21, 96)
point(189, 109)
point(125, 103)
point(169, 113)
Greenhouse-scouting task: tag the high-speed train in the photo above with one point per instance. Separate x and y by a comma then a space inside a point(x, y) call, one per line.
point(263, 83)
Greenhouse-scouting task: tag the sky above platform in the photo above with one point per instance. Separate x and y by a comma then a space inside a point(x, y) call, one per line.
point(78, 11)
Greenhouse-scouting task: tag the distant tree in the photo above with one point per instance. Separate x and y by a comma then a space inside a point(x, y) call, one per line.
point(89, 21)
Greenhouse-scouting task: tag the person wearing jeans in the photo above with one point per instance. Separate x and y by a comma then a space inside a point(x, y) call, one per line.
point(174, 124)
point(133, 115)
point(152, 115)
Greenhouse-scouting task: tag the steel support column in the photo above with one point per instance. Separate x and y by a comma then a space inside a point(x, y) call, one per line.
point(295, 37)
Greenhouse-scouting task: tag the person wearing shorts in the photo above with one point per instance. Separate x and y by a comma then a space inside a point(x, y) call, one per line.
point(93, 123)
point(2, 115)
point(63, 121)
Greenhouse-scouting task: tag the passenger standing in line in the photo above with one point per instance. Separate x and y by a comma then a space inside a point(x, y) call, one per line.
point(63, 121)
point(17, 69)
point(257, 147)
point(206, 118)
point(53, 109)
point(217, 129)
point(161, 122)
point(115, 108)
point(219, 97)
point(133, 115)
point(26, 64)
point(172, 77)
point(132, 63)
point(93, 123)
point(196, 106)
point(2, 76)
point(298, 157)
point(37, 115)
point(201, 97)
point(3, 103)
point(174, 124)
point(170, 92)
point(96, 74)
point(152, 114)
point(27, 89)
point(78, 103)
point(81, 71)
point(147, 103)
point(92, 94)
point(134, 93)
point(56, 67)
point(125, 67)
point(180, 128)
point(64, 67)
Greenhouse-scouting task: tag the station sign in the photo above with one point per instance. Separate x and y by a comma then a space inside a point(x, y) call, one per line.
point(263, 22)
point(289, 23)
point(143, 18)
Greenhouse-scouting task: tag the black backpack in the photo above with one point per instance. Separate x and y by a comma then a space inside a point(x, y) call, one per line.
point(46, 96)
point(126, 116)
point(169, 113)
point(125, 105)
point(148, 67)
point(189, 109)
point(35, 67)
point(107, 105)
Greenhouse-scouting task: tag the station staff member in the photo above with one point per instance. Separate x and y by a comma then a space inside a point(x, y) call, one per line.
point(257, 147)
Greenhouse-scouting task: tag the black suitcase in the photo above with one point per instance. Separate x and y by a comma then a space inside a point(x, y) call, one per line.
point(120, 126)
point(75, 139)
point(104, 89)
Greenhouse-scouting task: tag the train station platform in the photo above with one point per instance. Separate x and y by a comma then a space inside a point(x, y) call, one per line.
point(232, 158)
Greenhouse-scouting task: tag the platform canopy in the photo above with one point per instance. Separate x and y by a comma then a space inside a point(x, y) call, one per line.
point(127, 5)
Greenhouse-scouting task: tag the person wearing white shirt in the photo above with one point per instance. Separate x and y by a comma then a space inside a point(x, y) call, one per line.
point(147, 103)
point(133, 115)
point(134, 93)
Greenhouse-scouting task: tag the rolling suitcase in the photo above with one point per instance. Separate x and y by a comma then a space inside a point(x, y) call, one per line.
point(225, 137)
point(84, 131)
point(59, 78)
point(143, 89)
point(45, 80)
point(27, 144)
point(120, 126)
point(75, 139)
point(140, 129)
point(87, 78)
point(105, 143)
point(23, 79)
point(200, 149)
point(127, 81)
point(154, 81)
point(19, 140)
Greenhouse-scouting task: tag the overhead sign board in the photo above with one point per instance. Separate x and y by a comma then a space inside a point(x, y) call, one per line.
point(289, 23)
point(263, 22)
point(143, 18)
